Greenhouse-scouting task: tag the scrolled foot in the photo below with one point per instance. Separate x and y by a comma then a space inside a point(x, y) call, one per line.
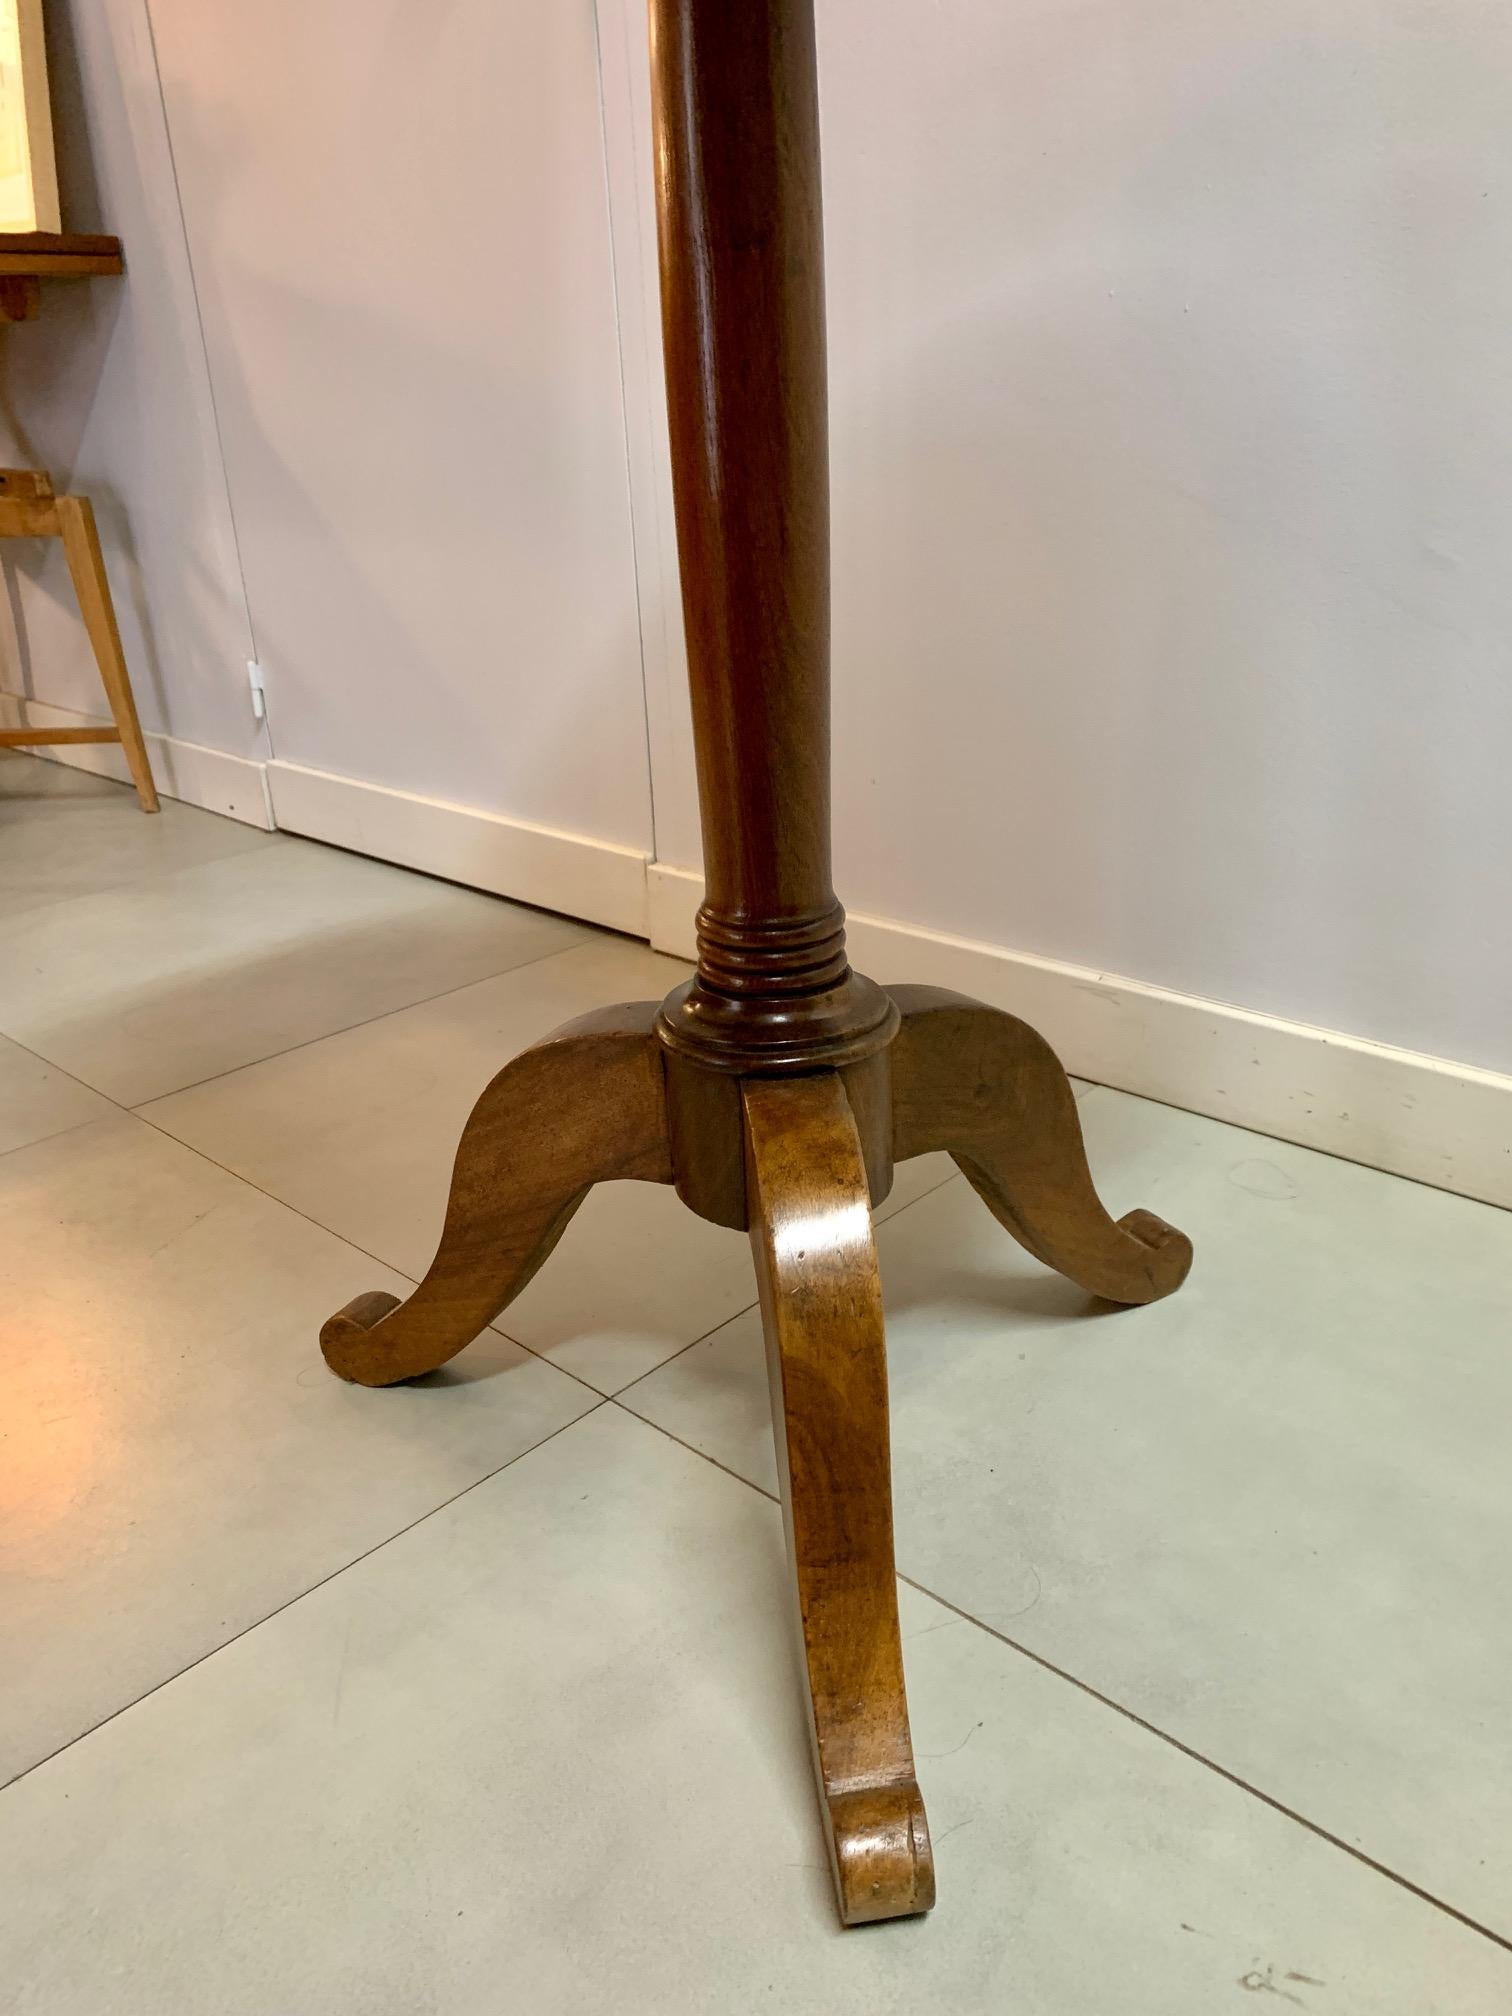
point(586, 1105)
point(884, 1864)
point(1170, 1251)
point(989, 1090)
point(346, 1339)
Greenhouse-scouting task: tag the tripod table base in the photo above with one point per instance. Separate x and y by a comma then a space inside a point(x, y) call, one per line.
point(590, 1104)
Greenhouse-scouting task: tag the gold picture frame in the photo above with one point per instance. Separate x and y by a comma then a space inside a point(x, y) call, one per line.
point(28, 168)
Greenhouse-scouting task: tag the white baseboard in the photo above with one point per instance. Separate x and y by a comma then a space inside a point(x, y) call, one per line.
point(591, 879)
point(234, 786)
point(1423, 1117)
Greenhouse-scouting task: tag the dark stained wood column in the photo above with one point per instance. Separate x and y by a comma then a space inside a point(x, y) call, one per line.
point(742, 284)
point(777, 1087)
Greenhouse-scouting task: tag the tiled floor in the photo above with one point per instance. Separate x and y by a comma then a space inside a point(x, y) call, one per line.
point(477, 1694)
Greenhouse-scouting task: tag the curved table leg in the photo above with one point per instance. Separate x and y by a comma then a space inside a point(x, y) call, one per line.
point(984, 1086)
point(580, 1108)
point(821, 1304)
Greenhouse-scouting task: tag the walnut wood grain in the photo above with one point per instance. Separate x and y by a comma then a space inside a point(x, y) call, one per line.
point(31, 250)
point(988, 1089)
point(29, 257)
point(581, 1108)
point(775, 1088)
point(742, 289)
point(707, 1133)
point(821, 1305)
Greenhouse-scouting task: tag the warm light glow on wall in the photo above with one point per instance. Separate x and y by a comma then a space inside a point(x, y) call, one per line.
point(28, 177)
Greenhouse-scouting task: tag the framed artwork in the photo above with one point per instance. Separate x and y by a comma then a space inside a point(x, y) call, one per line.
point(28, 172)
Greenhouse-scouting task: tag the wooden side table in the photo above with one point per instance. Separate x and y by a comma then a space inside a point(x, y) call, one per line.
point(29, 257)
point(30, 509)
point(777, 1088)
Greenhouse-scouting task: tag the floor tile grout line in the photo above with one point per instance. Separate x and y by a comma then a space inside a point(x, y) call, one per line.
point(1014, 1645)
point(600, 1399)
point(48, 1065)
point(62, 1070)
point(1290, 1141)
point(81, 1083)
point(1091, 1084)
point(300, 1594)
point(693, 1450)
point(347, 1028)
point(746, 1307)
point(149, 881)
point(58, 1133)
point(1131, 1715)
point(544, 1357)
point(683, 1350)
point(331, 1233)
point(1219, 1770)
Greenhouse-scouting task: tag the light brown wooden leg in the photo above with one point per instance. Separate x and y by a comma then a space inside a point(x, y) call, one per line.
point(821, 1303)
point(20, 297)
point(81, 545)
point(581, 1108)
point(985, 1087)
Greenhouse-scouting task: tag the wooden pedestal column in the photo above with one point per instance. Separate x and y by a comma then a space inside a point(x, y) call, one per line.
point(777, 1087)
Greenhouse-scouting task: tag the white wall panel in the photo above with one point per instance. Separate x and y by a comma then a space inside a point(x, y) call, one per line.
point(400, 240)
point(108, 390)
point(1171, 435)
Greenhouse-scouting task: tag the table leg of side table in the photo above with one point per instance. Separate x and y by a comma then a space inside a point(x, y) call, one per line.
point(985, 1088)
point(778, 1086)
point(586, 1105)
point(86, 564)
point(821, 1305)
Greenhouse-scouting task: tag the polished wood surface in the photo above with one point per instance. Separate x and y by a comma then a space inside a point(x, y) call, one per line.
point(39, 738)
point(29, 257)
point(742, 280)
point(27, 515)
point(581, 1108)
point(775, 1089)
point(30, 510)
point(986, 1088)
point(821, 1306)
point(708, 1154)
point(25, 483)
point(34, 248)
